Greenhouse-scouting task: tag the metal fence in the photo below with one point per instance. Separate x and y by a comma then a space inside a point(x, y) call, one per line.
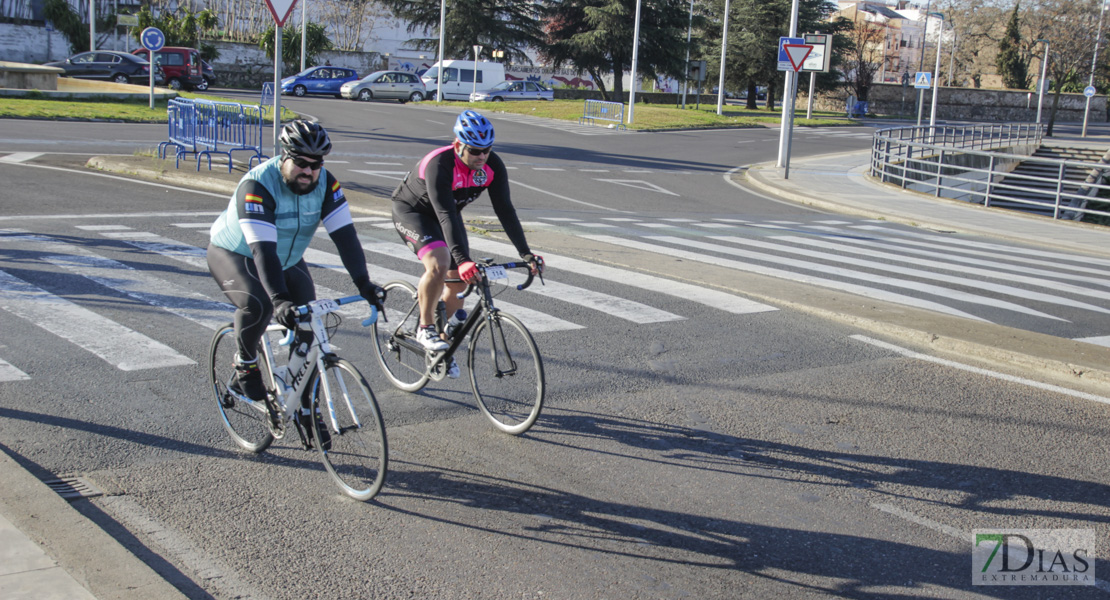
point(971, 164)
point(203, 128)
point(600, 110)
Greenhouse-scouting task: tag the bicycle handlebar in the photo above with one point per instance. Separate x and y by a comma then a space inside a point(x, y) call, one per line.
point(508, 265)
point(305, 309)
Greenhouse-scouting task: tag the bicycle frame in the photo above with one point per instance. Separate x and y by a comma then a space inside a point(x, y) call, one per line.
point(288, 386)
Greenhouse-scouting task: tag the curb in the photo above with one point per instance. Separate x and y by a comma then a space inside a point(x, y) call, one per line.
point(82, 548)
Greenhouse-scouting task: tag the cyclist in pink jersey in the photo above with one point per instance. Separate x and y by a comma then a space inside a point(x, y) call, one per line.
point(426, 207)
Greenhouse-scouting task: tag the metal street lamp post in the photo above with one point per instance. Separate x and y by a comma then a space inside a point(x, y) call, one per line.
point(304, 10)
point(1094, 63)
point(724, 48)
point(635, 64)
point(439, 71)
point(689, 32)
point(936, 72)
point(1040, 84)
point(474, 75)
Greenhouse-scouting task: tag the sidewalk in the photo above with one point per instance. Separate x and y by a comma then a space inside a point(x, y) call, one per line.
point(49, 549)
point(839, 183)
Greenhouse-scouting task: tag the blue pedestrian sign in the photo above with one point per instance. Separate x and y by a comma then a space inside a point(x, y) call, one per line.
point(153, 39)
point(784, 58)
point(923, 80)
point(1089, 91)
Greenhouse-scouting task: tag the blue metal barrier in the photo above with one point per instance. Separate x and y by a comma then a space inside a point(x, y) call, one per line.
point(600, 110)
point(204, 128)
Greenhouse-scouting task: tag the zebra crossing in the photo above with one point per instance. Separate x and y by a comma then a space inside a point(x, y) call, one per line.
point(567, 126)
point(844, 132)
point(127, 349)
point(1051, 292)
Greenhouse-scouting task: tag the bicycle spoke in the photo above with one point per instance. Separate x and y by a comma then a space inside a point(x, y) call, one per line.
point(506, 373)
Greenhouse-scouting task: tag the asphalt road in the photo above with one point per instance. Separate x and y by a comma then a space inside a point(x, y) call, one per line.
point(719, 448)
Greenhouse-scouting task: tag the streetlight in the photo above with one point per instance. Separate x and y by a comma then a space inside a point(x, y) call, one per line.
point(1044, 71)
point(474, 74)
point(439, 71)
point(1094, 62)
point(689, 31)
point(724, 47)
point(635, 64)
point(936, 71)
point(304, 11)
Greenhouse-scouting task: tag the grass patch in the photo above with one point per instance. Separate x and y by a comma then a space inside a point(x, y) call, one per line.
point(653, 117)
point(132, 110)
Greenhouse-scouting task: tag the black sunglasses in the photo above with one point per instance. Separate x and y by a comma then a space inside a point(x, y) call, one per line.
point(307, 164)
point(478, 151)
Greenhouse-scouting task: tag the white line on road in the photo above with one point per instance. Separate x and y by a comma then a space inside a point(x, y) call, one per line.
point(10, 373)
point(18, 157)
point(598, 206)
point(978, 371)
point(125, 348)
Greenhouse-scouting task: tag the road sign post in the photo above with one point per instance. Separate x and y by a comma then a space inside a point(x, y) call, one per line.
point(796, 55)
point(280, 9)
point(153, 40)
point(922, 81)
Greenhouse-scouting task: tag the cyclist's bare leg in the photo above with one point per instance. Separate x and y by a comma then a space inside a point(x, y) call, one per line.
point(451, 300)
point(436, 261)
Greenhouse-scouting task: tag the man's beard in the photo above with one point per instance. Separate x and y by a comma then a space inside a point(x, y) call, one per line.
point(301, 188)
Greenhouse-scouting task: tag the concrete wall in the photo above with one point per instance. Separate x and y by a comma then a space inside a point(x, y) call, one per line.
point(964, 104)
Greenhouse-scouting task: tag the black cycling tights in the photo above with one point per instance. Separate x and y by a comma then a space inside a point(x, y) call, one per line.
point(237, 276)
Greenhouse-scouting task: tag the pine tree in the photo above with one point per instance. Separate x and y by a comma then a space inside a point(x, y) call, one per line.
point(1011, 66)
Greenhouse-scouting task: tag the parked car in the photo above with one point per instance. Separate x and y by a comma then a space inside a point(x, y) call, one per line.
point(515, 90)
point(182, 66)
point(318, 80)
point(385, 85)
point(463, 77)
point(209, 75)
point(107, 65)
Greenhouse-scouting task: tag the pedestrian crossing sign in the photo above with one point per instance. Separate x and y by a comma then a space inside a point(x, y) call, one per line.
point(923, 80)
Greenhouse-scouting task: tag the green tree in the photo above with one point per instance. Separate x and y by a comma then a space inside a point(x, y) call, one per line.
point(1012, 65)
point(316, 41)
point(72, 26)
point(512, 26)
point(596, 36)
point(183, 28)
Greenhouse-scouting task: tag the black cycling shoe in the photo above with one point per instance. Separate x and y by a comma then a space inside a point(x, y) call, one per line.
point(248, 381)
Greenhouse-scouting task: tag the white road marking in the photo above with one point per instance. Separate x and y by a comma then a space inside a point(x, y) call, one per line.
point(396, 175)
point(18, 157)
point(192, 225)
point(10, 373)
point(102, 227)
point(1102, 340)
point(692, 293)
point(926, 288)
point(561, 197)
point(120, 346)
point(640, 185)
point(978, 371)
point(788, 275)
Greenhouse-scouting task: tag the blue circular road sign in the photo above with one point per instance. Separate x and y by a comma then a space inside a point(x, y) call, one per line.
point(1089, 91)
point(153, 39)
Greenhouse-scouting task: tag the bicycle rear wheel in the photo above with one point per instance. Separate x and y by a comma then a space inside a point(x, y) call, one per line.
point(356, 455)
point(506, 373)
point(246, 421)
point(401, 358)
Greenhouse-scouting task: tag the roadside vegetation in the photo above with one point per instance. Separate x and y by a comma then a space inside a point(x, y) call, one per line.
point(646, 116)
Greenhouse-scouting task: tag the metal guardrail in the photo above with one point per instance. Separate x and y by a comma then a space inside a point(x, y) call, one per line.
point(970, 164)
point(203, 128)
point(600, 110)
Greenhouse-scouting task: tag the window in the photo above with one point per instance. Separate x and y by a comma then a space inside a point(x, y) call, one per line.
point(450, 74)
point(171, 59)
point(410, 78)
point(104, 57)
point(468, 75)
point(83, 58)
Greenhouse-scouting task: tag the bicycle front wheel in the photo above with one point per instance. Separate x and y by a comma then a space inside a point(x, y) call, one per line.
point(246, 421)
point(506, 373)
point(401, 357)
point(355, 454)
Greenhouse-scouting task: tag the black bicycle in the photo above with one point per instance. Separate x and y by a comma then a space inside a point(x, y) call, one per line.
point(506, 371)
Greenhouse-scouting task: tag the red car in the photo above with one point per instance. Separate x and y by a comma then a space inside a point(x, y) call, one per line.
point(182, 66)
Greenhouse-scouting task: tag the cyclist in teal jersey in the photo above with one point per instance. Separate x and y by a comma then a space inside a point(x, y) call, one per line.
point(258, 242)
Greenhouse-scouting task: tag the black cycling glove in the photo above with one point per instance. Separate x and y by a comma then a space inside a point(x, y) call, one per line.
point(284, 313)
point(373, 293)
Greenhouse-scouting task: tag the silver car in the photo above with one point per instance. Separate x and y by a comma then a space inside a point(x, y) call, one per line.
point(515, 90)
point(385, 85)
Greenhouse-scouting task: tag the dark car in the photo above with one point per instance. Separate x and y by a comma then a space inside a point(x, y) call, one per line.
point(318, 80)
point(209, 75)
point(182, 66)
point(107, 65)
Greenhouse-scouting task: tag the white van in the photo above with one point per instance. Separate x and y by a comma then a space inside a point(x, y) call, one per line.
point(458, 78)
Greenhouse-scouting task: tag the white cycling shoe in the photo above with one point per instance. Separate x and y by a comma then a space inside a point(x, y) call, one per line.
point(453, 369)
point(429, 338)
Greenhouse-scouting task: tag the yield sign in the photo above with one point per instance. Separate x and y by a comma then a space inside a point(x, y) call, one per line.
point(281, 10)
point(797, 54)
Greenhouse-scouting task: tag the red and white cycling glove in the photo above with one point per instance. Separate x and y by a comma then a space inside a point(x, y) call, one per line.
point(468, 271)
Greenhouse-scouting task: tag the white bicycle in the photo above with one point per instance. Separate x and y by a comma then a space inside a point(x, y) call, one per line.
point(324, 396)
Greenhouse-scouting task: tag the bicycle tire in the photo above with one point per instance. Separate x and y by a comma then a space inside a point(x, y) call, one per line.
point(247, 422)
point(357, 455)
point(506, 373)
point(404, 367)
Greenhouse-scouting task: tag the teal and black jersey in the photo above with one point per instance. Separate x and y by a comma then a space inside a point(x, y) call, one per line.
point(264, 209)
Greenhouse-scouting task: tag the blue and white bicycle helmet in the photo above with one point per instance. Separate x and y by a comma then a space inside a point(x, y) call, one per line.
point(474, 130)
